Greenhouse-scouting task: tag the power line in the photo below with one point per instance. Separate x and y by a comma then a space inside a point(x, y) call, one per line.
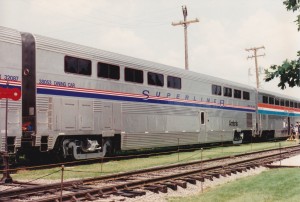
point(185, 23)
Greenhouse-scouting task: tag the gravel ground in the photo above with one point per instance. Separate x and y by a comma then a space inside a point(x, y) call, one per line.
point(293, 161)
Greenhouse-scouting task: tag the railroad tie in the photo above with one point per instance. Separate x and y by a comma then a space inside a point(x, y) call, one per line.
point(234, 171)
point(171, 185)
point(223, 173)
point(199, 178)
point(210, 177)
point(133, 193)
point(162, 188)
point(90, 197)
point(215, 174)
point(227, 172)
point(242, 168)
point(137, 193)
point(153, 189)
point(124, 193)
point(189, 180)
point(252, 166)
point(181, 183)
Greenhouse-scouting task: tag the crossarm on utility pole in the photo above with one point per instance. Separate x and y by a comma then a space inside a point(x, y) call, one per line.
point(185, 23)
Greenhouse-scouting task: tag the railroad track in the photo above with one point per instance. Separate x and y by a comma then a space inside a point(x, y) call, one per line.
point(158, 179)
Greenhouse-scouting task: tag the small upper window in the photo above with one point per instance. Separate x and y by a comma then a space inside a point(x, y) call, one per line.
point(216, 90)
point(271, 100)
point(78, 66)
point(134, 75)
point(265, 99)
point(155, 79)
point(246, 95)
point(281, 102)
point(227, 92)
point(174, 82)
point(291, 104)
point(287, 103)
point(276, 101)
point(237, 93)
point(108, 71)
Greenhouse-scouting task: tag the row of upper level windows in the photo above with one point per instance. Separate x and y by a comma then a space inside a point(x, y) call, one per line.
point(228, 92)
point(109, 71)
point(280, 102)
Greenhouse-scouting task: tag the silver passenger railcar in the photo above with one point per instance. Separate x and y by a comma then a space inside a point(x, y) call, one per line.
point(83, 102)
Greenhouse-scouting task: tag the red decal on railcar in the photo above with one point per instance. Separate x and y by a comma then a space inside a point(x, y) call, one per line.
point(10, 93)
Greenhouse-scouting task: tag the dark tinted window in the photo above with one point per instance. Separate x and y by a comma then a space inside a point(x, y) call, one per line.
point(237, 93)
point(287, 103)
point(78, 66)
point(174, 82)
point(134, 75)
point(265, 99)
point(108, 71)
point(271, 100)
point(216, 90)
point(227, 92)
point(84, 67)
point(291, 104)
point(155, 79)
point(202, 118)
point(281, 102)
point(276, 101)
point(246, 95)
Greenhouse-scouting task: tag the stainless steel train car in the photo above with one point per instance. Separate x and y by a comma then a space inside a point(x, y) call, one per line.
point(83, 102)
point(277, 114)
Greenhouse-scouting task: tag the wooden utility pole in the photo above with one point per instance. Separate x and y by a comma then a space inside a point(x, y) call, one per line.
point(185, 23)
point(255, 56)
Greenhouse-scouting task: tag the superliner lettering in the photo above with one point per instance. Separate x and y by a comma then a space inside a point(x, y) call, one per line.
point(146, 93)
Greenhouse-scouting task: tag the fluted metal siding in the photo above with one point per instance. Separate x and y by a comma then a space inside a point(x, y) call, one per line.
point(145, 140)
point(10, 35)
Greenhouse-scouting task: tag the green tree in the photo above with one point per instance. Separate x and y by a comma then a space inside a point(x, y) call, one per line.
point(289, 71)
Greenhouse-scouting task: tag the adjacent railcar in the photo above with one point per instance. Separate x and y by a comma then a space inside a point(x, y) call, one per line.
point(277, 115)
point(83, 102)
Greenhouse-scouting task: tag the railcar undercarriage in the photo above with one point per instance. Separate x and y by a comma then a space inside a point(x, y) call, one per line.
point(84, 149)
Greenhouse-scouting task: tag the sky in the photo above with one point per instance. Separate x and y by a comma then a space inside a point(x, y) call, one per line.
point(142, 29)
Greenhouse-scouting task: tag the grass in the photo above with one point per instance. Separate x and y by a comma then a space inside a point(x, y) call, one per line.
point(273, 185)
point(111, 167)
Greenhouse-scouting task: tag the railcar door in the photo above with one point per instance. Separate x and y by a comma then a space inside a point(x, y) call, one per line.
point(107, 115)
point(112, 116)
point(203, 125)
